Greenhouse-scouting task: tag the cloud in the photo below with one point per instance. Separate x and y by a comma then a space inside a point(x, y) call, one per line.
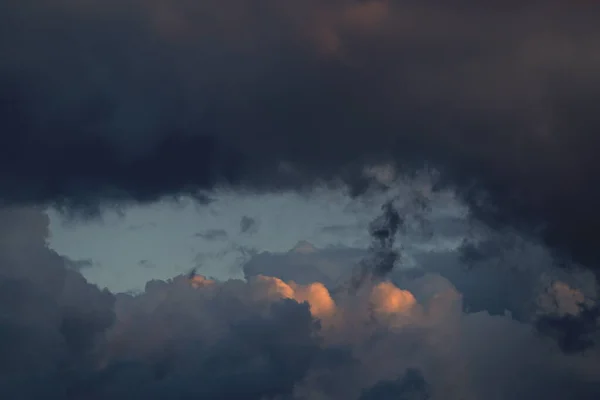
point(248, 225)
point(212, 234)
point(177, 98)
point(80, 264)
point(497, 273)
point(383, 254)
point(262, 338)
point(410, 386)
point(328, 266)
point(52, 319)
point(266, 337)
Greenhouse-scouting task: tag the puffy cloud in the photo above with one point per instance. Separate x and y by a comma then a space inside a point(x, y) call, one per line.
point(63, 338)
point(410, 386)
point(563, 299)
point(318, 297)
point(495, 272)
point(200, 281)
point(315, 294)
point(262, 338)
point(388, 299)
point(51, 320)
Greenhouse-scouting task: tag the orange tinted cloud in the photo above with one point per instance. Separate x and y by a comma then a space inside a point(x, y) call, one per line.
point(386, 298)
point(316, 294)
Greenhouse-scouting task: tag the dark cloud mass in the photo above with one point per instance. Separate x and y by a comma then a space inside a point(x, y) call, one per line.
point(103, 102)
point(51, 319)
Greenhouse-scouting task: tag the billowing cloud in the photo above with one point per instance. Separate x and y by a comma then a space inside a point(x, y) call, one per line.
point(497, 273)
point(410, 386)
point(51, 320)
point(104, 102)
point(264, 337)
point(267, 337)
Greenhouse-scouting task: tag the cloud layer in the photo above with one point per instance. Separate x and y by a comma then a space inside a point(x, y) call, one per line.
point(264, 338)
point(103, 102)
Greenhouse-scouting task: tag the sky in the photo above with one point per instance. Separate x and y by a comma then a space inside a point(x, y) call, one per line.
point(165, 239)
point(176, 238)
point(299, 200)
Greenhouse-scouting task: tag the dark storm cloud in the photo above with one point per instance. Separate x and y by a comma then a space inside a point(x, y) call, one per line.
point(52, 321)
point(574, 333)
point(107, 101)
point(253, 357)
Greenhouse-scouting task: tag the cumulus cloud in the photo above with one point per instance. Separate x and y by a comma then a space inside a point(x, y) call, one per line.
point(104, 102)
point(264, 337)
point(495, 272)
point(410, 386)
point(51, 320)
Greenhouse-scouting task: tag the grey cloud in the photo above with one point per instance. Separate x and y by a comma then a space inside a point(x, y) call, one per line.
point(79, 264)
point(64, 339)
point(253, 357)
point(192, 337)
point(248, 225)
point(509, 274)
point(52, 319)
point(410, 386)
point(574, 333)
